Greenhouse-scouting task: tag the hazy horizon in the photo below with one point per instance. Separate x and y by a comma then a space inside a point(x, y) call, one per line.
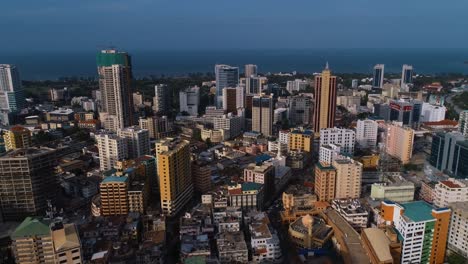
point(54, 25)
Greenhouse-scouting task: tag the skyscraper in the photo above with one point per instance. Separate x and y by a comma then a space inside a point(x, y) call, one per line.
point(162, 98)
point(366, 133)
point(262, 114)
point(115, 76)
point(175, 179)
point(463, 123)
point(378, 80)
point(11, 93)
point(226, 76)
point(250, 70)
point(230, 99)
point(325, 100)
point(26, 182)
point(325, 181)
point(189, 100)
point(406, 75)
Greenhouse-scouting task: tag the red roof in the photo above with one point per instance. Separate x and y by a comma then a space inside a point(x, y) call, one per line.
point(235, 191)
point(450, 184)
point(445, 122)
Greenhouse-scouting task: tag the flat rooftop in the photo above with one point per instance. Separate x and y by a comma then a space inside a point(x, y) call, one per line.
point(418, 211)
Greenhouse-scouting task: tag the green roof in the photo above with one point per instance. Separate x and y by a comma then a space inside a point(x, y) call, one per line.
point(195, 260)
point(321, 167)
point(109, 59)
point(115, 179)
point(31, 227)
point(251, 186)
point(418, 211)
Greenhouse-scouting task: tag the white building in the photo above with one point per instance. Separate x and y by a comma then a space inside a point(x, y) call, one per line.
point(231, 124)
point(283, 137)
point(264, 239)
point(296, 86)
point(352, 211)
point(11, 92)
point(112, 148)
point(279, 115)
point(273, 146)
point(137, 140)
point(450, 191)
point(458, 234)
point(366, 133)
point(328, 153)
point(345, 138)
point(395, 189)
point(189, 100)
point(463, 123)
point(432, 113)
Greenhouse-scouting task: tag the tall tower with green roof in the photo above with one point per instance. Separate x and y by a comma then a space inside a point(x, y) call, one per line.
point(115, 76)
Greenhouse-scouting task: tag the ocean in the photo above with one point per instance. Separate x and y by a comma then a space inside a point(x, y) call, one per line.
point(53, 65)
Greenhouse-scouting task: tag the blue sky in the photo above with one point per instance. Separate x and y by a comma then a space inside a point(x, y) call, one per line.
point(235, 24)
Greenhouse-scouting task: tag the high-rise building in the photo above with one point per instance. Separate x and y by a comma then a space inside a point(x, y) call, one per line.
point(175, 179)
point(38, 240)
point(162, 99)
point(345, 138)
point(406, 75)
point(115, 76)
point(300, 110)
point(443, 150)
point(226, 76)
point(11, 93)
point(262, 114)
point(254, 84)
point(348, 178)
point(158, 126)
point(137, 141)
point(399, 142)
point(250, 70)
point(459, 229)
point(450, 191)
point(460, 162)
point(112, 148)
point(17, 137)
point(366, 133)
point(328, 153)
point(325, 100)
point(189, 100)
point(463, 123)
point(26, 182)
point(325, 181)
point(301, 140)
point(407, 112)
point(378, 80)
point(114, 195)
point(422, 228)
point(230, 99)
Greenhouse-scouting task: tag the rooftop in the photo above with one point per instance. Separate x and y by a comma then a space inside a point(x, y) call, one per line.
point(31, 227)
point(27, 152)
point(115, 179)
point(324, 166)
point(66, 238)
point(379, 241)
point(418, 211)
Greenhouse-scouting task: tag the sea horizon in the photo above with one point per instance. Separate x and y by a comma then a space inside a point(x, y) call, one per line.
point(51, 65)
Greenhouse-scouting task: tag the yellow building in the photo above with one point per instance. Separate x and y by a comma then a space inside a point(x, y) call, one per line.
point(300, 139)
point(348, 178)
point(399, 143)
point(37, 240)
point(114, 195)
point(17, 137)
point(325, 181)
point(325, 100)
point(175, 179)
